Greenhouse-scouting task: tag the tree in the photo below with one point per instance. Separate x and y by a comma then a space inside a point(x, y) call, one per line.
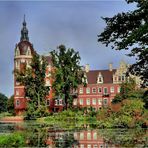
point(3, 103)
point(10, 104)
point(68, 73)
point(145, 99)
point(33, 78)
point(130, 31)
point(128, 91)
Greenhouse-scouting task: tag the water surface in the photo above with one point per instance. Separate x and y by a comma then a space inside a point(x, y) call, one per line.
point(32, 134)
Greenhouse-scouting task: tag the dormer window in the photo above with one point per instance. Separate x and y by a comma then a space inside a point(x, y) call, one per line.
point(84, 79)
point(119, 78)
point(17, 52)
point(28, 51)
point(100, 78)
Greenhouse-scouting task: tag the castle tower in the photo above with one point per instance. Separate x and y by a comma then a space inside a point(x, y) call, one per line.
point(23, 56)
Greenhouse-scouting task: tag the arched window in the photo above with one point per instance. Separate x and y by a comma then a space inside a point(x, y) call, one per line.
point(17, 64)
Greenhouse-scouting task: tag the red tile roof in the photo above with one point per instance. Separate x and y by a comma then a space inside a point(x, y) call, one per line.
point(92, 76)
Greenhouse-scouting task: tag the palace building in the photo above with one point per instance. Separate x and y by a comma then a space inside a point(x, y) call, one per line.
point(23, 55)
point(102, 85)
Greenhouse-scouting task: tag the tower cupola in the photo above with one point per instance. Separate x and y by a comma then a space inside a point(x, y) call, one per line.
point(24, 32)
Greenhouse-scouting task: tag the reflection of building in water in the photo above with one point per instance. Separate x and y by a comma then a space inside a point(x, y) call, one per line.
point(90, 139)
point(59, 138)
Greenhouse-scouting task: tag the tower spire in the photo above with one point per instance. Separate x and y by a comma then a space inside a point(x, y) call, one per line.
point(24, 31)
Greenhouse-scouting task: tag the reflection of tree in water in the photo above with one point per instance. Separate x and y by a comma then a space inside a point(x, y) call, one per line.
point(55, 136)
point(125, 137)
point(36, 137)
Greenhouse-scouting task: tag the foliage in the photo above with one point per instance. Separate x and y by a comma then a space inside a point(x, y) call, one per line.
point(3, 103)
point(16, 139)
point(128, 91)
point(67, 74)
point(129, 31)
point(10, 105)
point(130, 113)
point(5, 114)
point(33, 78)
point(145, 99)
point(124, 137)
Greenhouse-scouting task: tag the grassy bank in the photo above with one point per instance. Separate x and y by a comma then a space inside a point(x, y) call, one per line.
point(5, 114)
point(127, 114)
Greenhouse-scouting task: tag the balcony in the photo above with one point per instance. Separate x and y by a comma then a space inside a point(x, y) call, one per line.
point(106, 95)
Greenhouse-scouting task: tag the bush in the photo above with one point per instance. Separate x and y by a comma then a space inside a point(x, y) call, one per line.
point(130, 113)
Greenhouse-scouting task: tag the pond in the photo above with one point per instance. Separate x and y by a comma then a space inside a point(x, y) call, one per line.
point(32, 134)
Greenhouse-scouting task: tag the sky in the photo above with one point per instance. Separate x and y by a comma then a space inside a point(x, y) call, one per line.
point(75, 24)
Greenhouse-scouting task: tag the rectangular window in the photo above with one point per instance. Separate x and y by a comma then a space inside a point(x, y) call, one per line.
point(119, 78)
point(81, 90)
point(81, 145)
point(94, 101)
point(48, 83)
point(99, 101)
point(118, 89)
point(95, 146)
point(81, 101)
point(112, 89)
point(57, 102)
point(17, 102)
point(17, 93)
point(48, 102)
point(88, 136)
point(99, 90)
point(93, 90)
point(88, 90)
point(88, 101)
point(94, 136)
point(105, 101)
point(123, 78)
point(75, 102)
point(81, 136)
point(76, 135)
point(60, 102)
point(105, 90)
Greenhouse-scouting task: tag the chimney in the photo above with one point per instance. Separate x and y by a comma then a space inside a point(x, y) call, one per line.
point(110, 67)
point(87, 68)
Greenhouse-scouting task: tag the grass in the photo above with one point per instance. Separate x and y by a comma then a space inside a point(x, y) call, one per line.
point(5, 114)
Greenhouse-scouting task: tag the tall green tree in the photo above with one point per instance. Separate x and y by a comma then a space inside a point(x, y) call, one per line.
point(10, 104)
point(129, 31)
point(145, 99)
point(3, 103)
point(33, 78)
point(68, 73)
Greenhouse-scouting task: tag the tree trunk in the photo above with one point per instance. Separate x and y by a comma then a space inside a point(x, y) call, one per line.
point(38, 101)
